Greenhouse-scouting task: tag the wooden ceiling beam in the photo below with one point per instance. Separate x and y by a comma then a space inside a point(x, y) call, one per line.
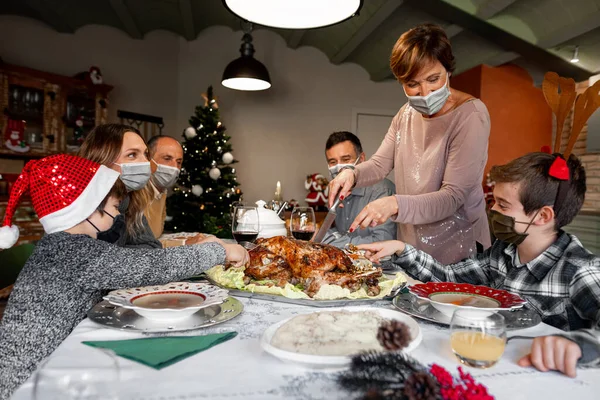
point(129, 25)
point(50, 17)
point(187, 19)
point(296, 38)
point(506, 40)
point(384, 12)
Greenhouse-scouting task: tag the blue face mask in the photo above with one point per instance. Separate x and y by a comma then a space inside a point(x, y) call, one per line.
point(433, 102)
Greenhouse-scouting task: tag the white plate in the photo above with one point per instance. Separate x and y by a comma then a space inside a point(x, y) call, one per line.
point(171, 302)
point(336, 362)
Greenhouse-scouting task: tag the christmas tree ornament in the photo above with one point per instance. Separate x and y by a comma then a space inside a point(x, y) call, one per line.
point(190, 133)
point(197, 190)
point(228, 159)
point(213, 163)
point(214, 173)
point(219, 149)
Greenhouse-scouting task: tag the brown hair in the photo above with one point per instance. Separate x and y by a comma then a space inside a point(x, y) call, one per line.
point(419, 46)
point(539, 189)
point(118, 191)
point(103, 145)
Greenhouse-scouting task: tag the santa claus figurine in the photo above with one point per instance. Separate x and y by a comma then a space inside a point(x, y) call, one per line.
point(95, 75)
point(316, 184)
point(14, 135)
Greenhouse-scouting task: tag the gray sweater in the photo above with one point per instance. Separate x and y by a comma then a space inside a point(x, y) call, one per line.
point(65, 276)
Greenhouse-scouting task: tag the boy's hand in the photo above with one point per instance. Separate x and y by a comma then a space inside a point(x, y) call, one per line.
point(553, 353)
point(236, 255)
point(377, 250)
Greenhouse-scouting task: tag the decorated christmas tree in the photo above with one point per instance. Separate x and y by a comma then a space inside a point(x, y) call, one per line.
point(207, 185)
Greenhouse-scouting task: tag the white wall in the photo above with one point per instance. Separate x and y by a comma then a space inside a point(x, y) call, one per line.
point(278, 134)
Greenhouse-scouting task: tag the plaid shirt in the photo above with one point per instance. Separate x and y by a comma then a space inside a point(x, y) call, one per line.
point(562, 284)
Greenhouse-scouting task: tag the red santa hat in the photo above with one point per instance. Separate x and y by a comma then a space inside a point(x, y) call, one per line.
point(64, 190)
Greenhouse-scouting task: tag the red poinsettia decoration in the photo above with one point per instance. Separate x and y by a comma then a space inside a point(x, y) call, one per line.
point(463, 388)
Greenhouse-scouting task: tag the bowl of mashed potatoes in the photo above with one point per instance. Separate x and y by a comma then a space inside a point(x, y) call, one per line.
point(329, 338)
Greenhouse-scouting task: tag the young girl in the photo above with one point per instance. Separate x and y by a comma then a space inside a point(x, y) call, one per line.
point(69, 271)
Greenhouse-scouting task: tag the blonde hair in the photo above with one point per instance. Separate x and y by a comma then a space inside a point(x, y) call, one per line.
point(103, 145)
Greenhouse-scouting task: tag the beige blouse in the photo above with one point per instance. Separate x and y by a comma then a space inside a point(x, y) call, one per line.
point(438, 168)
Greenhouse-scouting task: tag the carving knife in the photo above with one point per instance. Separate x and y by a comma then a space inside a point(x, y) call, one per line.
point(327, 222)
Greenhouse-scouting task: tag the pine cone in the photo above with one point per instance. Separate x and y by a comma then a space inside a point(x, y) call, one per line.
point(373, 394)
point(393, 335)
point(421, 386)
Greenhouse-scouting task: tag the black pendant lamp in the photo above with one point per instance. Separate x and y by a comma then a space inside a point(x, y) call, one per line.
point(246, 72)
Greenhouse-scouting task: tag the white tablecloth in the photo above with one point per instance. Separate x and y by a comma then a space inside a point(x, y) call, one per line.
point(239, 369)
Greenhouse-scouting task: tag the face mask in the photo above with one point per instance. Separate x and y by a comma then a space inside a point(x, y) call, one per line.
point(112, 234)
point(433, 102)
point(503, 227)
point(135, 175)
point(335, 170)
point(164, 177)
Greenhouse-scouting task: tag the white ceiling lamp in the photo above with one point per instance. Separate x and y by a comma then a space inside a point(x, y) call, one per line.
point(246, 72)
point(294, 14)
point(575, 58)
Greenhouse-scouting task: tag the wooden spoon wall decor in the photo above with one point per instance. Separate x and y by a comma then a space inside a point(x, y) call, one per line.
point(560, 95)
point(586, 104)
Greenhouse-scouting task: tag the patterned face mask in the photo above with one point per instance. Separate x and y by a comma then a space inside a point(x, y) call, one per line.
point(503, 227)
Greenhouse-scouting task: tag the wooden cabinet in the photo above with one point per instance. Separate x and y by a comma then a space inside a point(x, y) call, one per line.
point(50, 105)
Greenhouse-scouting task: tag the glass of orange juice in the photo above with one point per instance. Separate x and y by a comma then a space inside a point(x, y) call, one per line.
point(477, 338)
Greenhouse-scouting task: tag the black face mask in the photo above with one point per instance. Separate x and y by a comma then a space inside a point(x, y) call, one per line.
point(503, 227)
point(112, 234)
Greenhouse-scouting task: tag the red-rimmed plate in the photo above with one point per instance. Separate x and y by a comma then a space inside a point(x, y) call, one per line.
point(170, 302)
point(448, 296)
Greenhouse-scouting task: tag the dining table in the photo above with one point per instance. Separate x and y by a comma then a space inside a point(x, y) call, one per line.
point(240, 369)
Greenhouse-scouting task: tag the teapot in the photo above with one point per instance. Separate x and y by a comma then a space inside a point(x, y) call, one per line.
point(269, 222)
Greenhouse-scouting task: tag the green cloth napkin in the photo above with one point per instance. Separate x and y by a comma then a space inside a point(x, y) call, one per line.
point(160, 352)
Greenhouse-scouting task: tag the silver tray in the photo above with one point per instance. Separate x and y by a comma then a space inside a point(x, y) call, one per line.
point(111, 316)
point(409, 304)
point(302, 302)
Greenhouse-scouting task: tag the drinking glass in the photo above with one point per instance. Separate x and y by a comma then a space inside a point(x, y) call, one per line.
point(477, 337)
point(245, 224)
point(78, 378)
point(302, 224)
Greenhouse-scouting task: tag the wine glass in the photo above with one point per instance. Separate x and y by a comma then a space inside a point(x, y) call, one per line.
point(303, 223)
point(78, 378)
point(477, 337)
point(245, 224)
point(234, 205)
